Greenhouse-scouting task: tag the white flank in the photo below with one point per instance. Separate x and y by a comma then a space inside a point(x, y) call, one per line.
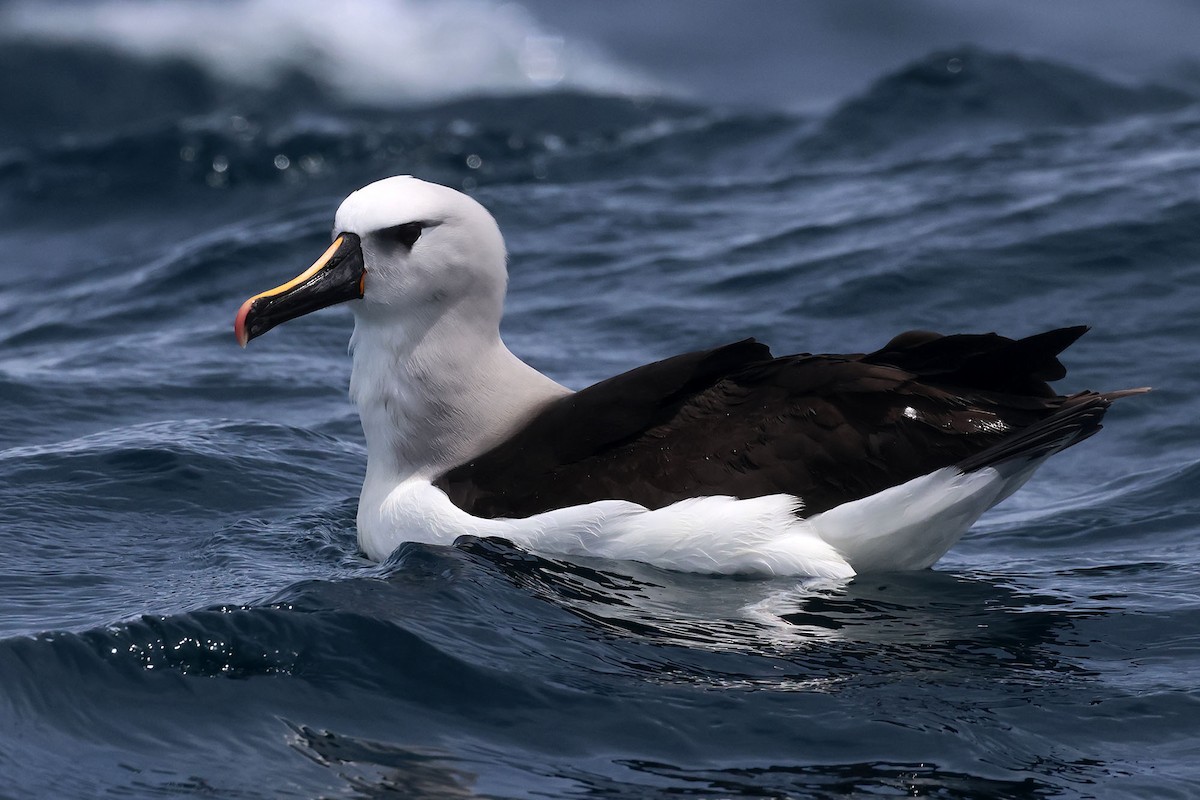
point(905, 527)
point(706, 534)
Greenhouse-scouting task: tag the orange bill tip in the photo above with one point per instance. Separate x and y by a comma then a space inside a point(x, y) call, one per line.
point(239, 322)
point(335, 277)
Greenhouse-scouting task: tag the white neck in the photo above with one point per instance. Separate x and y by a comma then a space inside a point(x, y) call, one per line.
point(433, 396)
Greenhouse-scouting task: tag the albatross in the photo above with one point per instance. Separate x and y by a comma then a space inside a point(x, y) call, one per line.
point(726, 460)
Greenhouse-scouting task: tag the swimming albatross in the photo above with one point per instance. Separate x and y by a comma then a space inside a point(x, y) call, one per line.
point(723, 460)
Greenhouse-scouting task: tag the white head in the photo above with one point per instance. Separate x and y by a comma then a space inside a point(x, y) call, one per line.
point(423, 268)
point(413, 253)
point(427, 250)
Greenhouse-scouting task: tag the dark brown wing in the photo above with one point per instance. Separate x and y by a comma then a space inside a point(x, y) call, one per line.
point(736, 421)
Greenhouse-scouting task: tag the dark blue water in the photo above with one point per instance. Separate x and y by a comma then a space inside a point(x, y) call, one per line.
point(183, 608)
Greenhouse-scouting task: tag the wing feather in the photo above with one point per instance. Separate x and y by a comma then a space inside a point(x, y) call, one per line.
point(736, 421)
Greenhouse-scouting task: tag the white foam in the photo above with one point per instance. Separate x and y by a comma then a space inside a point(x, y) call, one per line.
point(373, 51)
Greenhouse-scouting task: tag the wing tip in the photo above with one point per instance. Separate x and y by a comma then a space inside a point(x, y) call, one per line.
point(1077, 420)
point(1119, 393)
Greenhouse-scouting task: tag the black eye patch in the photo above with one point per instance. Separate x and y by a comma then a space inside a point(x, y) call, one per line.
point(406, 234)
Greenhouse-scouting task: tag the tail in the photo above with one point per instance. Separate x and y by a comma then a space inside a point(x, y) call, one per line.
point(912, 525)
point(982, 361)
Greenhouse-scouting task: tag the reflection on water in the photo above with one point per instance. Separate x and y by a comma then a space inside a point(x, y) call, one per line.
point(810, 630)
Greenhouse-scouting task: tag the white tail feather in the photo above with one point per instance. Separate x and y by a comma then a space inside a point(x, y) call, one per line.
point(912, 525)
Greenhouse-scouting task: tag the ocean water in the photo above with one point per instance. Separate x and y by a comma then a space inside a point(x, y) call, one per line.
point(183, 608)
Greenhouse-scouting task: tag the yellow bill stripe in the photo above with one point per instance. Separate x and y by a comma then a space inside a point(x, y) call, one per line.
point(303, 276)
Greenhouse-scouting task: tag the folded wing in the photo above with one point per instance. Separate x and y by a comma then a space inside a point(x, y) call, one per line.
point(827, 429)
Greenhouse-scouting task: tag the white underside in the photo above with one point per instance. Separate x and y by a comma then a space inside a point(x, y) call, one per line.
point(906, 527)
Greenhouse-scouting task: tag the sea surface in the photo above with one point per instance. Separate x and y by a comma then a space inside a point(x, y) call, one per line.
point(184, 611)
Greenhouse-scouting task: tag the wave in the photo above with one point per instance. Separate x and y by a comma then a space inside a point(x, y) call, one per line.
point(374, 768)
point(959, 93)
point(425, 618)
point(951, 110)
point(562, 136)
point(430, 670)
point(1109, 512)
point(168, 118)
point(116, 65)
point(467, 142)
point(375, 52)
